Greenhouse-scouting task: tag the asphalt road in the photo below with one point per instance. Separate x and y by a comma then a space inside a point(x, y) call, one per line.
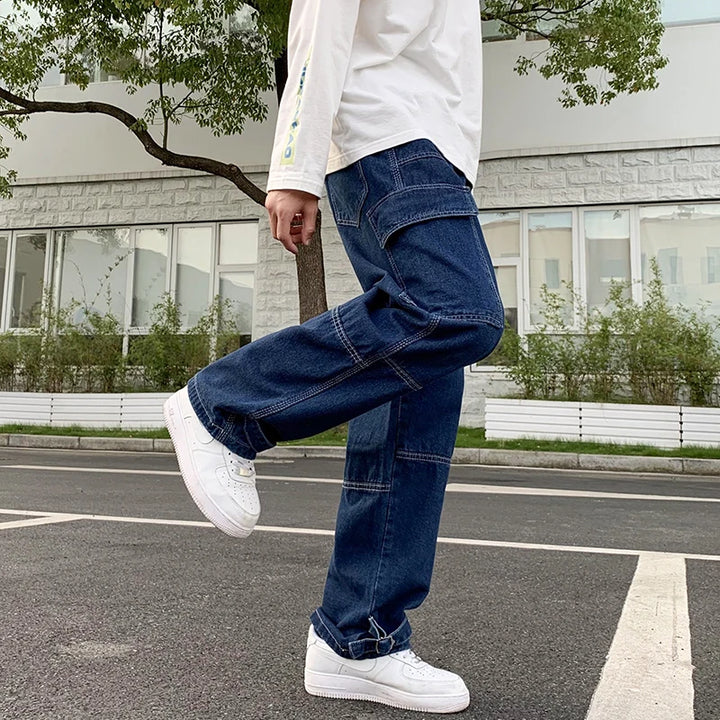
point(122, 617)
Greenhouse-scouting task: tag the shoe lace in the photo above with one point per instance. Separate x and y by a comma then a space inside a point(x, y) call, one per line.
point(241, 467)
point(413, 658)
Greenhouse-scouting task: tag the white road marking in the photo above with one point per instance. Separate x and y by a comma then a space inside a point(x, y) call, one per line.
point(44, 520)
point(102, 471)
point(559, 492)
point(470, 488)
point(648, 673)
point(472, 542)
point(156, 473)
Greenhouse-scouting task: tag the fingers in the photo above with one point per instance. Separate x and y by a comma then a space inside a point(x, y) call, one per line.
point(292, 214)
point(309, 220)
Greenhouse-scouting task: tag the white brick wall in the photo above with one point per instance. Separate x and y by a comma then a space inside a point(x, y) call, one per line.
point(600, 178)
point(682, 174)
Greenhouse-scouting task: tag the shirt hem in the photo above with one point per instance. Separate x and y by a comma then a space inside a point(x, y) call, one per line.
point(339, 161)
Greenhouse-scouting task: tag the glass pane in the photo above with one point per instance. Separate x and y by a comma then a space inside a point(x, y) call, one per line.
point(91, 267)
point(194, 260)
point(550, 241)
point(491, 31)
point(688, 11)
point(3, 266)
point(150, 278)
point(238, 244)
point(237, 287)
point(607, 248)
point(27, 289)
point(507, 283)
point(502, 233)
point(685, 240)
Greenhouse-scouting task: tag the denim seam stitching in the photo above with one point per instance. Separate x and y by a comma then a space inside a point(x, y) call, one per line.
point(424, 457)
point(397, 175)
point(247, 435)
point(484, 317)
point(421, 156)
point(403, 374)
point(396, 270)
point(260, 430)
point(429, 186)
point(378, 488)
point(332, 637)
point(344, 339)
point(332, 382)
point(414, 219)
point(223, 432)
point(387, 513)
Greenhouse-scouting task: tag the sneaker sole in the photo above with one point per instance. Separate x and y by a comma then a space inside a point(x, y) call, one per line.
point(350, 688)
point(171, 413)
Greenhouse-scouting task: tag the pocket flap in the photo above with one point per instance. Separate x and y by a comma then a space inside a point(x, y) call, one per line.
point(416, 204)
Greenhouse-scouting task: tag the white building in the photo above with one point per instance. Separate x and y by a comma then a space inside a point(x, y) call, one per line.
point(583, 195)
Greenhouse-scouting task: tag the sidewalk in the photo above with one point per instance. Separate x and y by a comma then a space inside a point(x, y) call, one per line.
point(462, 456)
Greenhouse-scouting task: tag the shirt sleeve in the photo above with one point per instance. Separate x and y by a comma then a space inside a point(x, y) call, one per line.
point(319, 45)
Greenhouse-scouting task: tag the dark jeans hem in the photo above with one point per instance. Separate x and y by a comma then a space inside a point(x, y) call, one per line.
point(363, 648)
point(244, 438)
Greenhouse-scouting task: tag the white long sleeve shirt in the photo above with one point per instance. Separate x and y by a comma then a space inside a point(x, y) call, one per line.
point(367, 75)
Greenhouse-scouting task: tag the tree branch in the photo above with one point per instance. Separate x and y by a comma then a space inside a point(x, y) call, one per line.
point(166, 157)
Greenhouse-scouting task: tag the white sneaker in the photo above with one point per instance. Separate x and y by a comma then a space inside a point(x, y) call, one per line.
point(221, 483)
point(402, 680)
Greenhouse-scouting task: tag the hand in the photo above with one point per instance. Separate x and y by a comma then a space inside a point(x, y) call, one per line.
point(292, 217)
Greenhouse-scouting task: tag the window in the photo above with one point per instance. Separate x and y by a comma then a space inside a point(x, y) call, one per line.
point(685, 240)
point(91, 270)
point(237, 257)
point(550, 258)
point(711, 273)
point(150, 259)
point(194, 272)
point(238, 289)
point(590, 249)
point(607, 253)
point(27, 283)
point(4, 249)
point(502, 233)
point(125, 271)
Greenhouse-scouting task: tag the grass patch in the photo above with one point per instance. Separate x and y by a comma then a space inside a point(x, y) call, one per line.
point(78, 431)
point(466, 438)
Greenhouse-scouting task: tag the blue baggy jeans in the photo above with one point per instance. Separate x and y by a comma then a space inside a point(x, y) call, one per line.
point(391, 362)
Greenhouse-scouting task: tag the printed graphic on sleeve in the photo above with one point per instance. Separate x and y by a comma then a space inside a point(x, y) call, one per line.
point(288, 156)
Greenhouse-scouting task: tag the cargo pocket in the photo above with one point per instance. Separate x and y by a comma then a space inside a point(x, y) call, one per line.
point(428, 187)
point(419, 203)
point(347, 192)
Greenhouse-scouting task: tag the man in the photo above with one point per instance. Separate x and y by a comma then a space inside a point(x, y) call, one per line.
point(384, 97)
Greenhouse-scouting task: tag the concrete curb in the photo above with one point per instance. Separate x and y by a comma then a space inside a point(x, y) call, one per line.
point(462, 456)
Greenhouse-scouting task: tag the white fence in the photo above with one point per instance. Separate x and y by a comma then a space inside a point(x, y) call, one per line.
point(124, 410)
point(655, 425)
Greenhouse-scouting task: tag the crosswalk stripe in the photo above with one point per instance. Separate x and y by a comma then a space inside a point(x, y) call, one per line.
point(648, 673)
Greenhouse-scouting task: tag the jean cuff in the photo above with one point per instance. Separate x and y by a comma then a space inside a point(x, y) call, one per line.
point(241, 435)
point(377, 644)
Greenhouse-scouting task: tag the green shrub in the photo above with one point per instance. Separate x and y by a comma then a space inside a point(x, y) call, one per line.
point(648, 353)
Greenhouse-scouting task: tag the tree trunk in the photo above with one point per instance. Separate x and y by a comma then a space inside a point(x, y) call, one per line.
point(311, 277)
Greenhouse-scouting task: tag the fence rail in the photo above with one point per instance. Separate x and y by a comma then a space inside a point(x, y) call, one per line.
point(656, 425)
point(129, 411)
